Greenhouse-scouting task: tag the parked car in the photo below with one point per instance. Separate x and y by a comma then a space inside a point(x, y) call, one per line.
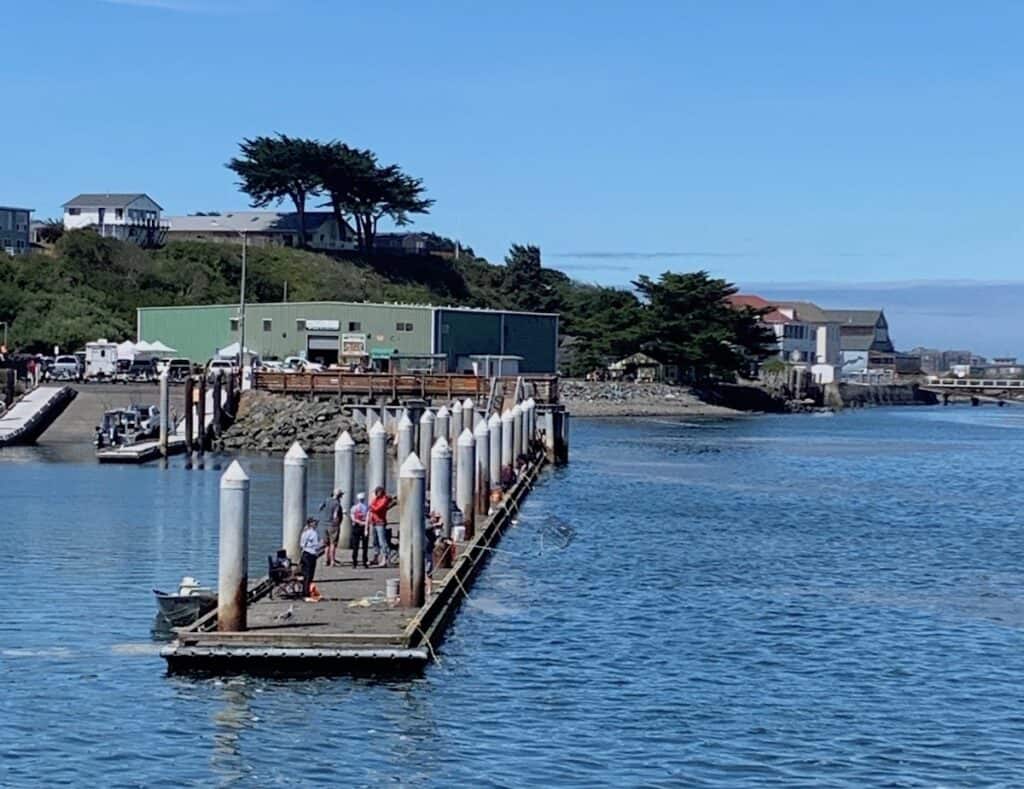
point(100, 360)
point(66, 368)
point(142, 370)
point(227, 365)
point(179, 369)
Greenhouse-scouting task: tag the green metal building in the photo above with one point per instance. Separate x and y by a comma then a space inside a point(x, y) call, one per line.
point(316, 330)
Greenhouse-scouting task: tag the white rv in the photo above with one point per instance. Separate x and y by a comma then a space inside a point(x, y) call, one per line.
point(100, 360)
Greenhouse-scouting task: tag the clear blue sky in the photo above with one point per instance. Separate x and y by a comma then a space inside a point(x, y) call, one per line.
point(765, 141)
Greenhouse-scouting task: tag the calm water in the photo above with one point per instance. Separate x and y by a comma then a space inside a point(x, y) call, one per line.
point(790, 601)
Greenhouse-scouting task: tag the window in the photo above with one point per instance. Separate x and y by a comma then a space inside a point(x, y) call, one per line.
point(268, 324)
point(355, 326)
point(300, 324)
point(119, 213)
point(74, 211)
point(234, 324)
point(403, 327)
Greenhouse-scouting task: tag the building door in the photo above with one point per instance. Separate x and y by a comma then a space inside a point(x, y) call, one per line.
point(322, 348)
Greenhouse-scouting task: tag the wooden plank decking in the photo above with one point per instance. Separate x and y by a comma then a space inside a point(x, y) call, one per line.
point(352, 629)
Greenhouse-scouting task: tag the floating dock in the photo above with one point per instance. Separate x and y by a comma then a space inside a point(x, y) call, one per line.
point(30, 416)
point(353, 629)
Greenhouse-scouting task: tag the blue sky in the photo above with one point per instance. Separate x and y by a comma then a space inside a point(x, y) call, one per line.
point(769, 142)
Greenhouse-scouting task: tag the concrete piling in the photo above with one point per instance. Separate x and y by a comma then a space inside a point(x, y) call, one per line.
point(470, 416)
point(377, 470)
point(441, 482)
point(481, 436)
point(529, 423)
point(465, 479)
point(345, 481)
point(443, 424)
point(411, 539)
point(507, 438)
point(550, 439)
point(232, 562)
point(494, 451)
point(456, 423)
point(294, 500)
point(201, 418)
point(165, 410)
point(517, 430)
point(426, 437)
point(405, 438)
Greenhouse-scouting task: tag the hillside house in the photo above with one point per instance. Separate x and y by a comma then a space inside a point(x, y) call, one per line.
point(134, 218)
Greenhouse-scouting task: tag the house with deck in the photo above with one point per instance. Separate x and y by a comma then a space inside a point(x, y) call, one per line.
point(132, 217)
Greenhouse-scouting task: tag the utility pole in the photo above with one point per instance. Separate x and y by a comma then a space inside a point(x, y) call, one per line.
point(241, 310)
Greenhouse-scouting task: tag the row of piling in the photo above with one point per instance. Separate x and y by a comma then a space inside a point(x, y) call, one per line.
point(485, 446)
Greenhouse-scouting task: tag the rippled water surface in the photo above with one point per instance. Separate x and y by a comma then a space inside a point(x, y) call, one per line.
point(789, 601)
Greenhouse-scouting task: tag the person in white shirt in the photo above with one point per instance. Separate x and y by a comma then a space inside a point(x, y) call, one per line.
point(310, 543)
point(360, 530)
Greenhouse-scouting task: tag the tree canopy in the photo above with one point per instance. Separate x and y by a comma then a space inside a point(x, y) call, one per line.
point(358, 188)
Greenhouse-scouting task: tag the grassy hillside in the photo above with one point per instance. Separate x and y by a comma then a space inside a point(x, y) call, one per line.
point(89, 287)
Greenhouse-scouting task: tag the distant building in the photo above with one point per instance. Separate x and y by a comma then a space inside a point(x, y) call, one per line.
point(402, 243)
point(263, 228)
point(864, 341)
point(804, 334)
point(134, 218)
point(15, 224)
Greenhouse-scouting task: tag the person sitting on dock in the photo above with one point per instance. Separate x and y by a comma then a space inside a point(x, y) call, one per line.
point(334, 515)
point(508, 477)
point(379, 507)
point(309, 542)
point(360, 530)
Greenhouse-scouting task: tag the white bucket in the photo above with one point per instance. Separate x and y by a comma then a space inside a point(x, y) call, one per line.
point(392, 589)
point(459, 533)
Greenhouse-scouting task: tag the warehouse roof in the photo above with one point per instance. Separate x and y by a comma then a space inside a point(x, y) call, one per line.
point(255, 305)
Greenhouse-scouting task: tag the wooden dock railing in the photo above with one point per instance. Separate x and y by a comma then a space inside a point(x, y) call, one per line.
point(373, 386)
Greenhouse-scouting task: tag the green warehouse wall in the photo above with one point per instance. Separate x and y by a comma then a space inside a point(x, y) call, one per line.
point(197, 332)
point(467, 332)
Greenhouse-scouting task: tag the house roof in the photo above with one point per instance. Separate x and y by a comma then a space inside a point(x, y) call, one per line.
point(111, 200)
point(805, 311)
point(15, 208)
point(758, 303)
point(854, 317)
point(249, 222)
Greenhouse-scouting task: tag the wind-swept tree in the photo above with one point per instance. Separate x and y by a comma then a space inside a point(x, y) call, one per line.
point(341, 170)
point(386, 191)
point(274, 168)
point(688, 321)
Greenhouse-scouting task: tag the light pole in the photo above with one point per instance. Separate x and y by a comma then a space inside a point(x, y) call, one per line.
point(241, 310)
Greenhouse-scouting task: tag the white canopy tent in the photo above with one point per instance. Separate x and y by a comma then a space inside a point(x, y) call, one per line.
point(159, 348)
point(126, 350)
point(231, 351)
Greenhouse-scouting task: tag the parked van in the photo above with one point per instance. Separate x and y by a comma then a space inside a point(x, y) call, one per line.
point(100, 360)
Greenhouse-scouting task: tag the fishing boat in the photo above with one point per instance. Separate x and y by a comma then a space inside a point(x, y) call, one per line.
point(191, 602)
point(126, 426)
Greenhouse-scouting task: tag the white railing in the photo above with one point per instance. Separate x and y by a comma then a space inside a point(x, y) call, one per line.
point(975, 383)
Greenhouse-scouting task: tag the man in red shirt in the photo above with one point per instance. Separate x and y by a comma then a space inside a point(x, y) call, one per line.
point(379, 506)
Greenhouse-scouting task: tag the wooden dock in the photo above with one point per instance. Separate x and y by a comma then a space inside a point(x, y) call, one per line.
point(353, 629)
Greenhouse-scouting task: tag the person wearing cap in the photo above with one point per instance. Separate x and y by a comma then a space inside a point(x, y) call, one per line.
point(360, 530)
point(335, 513)
point(379, 507)
point(309, 542)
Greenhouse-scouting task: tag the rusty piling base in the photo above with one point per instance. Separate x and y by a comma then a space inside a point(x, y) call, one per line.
point(353, 630)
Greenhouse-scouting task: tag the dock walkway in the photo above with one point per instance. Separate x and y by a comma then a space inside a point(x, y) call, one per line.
point(29, 417)
point(352, 629)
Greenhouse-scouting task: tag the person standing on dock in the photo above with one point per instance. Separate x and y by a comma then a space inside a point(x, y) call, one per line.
point(379, 507)
point(335, 513)
point(309, 542)
point(360, 530)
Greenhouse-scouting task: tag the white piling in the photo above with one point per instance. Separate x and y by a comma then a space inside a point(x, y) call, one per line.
point(405, 438)
point(443, 425)
point(465, 479)
point(345, 481)
point(165, 410)
point(294, 500)
point(411, 535)
point(482, 478)
point(517, 430)
point(233, 549)
point(494, 452)
point(441, 482)
point(426, 437)
point(377, 471)
point(507, 437)
point(529, 422)
point(470, 417)
point(456, 425)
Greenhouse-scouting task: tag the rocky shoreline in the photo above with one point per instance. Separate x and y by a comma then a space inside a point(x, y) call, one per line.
point(271, 423)
point(626, 399)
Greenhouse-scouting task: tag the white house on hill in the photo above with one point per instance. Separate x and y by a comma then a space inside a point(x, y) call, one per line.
point(126, 217)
